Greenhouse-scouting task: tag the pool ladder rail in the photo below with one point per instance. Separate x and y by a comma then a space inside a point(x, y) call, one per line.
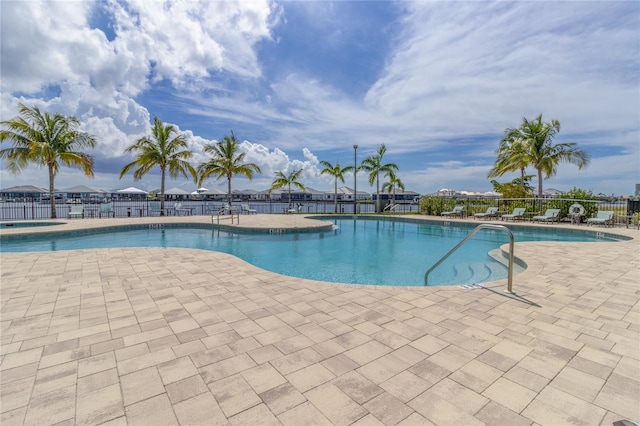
point(471, 234)
point(234, 213)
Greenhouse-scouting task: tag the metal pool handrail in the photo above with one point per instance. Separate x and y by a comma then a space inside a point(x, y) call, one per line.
point(476, 229)
point(232, 212)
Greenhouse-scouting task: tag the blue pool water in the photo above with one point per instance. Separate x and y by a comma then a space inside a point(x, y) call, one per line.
point(363, 251)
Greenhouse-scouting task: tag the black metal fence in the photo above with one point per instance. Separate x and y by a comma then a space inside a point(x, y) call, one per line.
point(623, 210)
point(34, 209)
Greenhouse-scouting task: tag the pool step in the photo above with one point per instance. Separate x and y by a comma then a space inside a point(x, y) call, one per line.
point(478, 272)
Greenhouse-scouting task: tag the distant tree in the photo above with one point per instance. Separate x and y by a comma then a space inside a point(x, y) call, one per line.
point(45, 140)
point(338, 173)
point(227, 161)
point(391, 185)
point(166, 149)
point(517, 188)
point(283, 180)
point(373, 165)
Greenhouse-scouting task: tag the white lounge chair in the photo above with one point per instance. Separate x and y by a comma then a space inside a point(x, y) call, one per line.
point(212, 209)
point(154, 207)
point(549, 216)
point(518, 213)
point(107, 209)
point(457, 211)
point(76, 211)
point(180, 209)
point(246, 209)
point(490, 213)
point(604, 217)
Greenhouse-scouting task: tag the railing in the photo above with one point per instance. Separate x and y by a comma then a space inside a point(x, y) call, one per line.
point(476, 229)
point(232, 212)
point(435, 205)
point(34, 209)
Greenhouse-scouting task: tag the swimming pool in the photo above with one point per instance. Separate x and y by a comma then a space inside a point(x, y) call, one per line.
point(362, 251)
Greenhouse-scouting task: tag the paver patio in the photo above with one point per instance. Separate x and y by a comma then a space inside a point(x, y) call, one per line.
point(156, 336)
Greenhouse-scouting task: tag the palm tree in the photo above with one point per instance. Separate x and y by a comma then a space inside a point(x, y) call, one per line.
point(373, 165)
point(338, 173)
point(544, 155)
point(226, 162)
point(46, 140)
point(512, 156)
point(393, 183)
point(531, 144)
point(283, 180)
point(161, 149)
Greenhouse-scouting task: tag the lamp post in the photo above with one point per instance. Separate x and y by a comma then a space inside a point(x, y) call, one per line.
point(355, 177)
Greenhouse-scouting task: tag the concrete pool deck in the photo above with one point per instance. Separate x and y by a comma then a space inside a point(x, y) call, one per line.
point(181, 336)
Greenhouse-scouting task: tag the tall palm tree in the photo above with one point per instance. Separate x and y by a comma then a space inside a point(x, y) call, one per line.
point(45, 140)
point(165, 149)
point(338, 173)
point(512, 156)
point(393, 183)
point(226, 161)
point(542, 153)
point(373, 165)
point(283, 180)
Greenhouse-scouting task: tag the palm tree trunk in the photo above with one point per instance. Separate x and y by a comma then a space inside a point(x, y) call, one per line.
point(378, 206)
point(539, 182)
point(289, 196)
point(162, 176)
point(522, 179)
point(52, 198)
point(335, 197)
point(229, 191)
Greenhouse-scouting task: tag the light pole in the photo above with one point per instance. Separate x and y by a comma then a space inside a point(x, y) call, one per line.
point(355, 177)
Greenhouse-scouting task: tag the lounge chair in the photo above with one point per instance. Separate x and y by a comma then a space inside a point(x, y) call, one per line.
point(246, 209)
point(490, 213)
point(604, 217)
point(457, 211)
point(154, 207)
point(518, 213)
point(76, 211)
point(179, 209)
point(212, 209)
point(549, 216)
point(107, 209)
point(228, 209)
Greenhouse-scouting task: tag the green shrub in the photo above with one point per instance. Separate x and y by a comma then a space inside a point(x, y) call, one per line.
point(576, 195)
point(435, 205)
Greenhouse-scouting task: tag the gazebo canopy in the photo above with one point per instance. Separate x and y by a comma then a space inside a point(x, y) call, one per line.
point(131, 190)
point(80, 189)
point(24, 189)
point(175, 191)
point(214, 191)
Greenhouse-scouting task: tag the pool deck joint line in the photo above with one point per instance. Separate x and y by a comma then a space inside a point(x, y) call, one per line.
point(144, 336)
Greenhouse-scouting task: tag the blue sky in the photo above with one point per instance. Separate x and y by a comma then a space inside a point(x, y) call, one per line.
point(301, 82)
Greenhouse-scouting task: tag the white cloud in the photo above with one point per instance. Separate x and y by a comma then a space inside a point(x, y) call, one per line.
point(98, 80)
